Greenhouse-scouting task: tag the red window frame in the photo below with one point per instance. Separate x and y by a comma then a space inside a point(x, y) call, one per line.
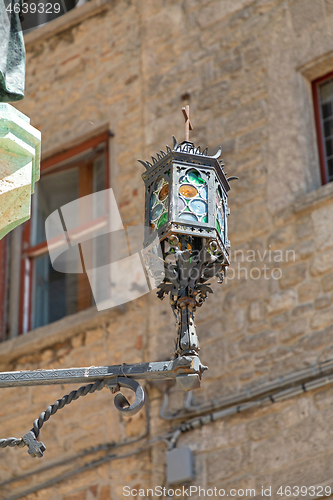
point(319, 128)
point(29, 252)
point(3, 286)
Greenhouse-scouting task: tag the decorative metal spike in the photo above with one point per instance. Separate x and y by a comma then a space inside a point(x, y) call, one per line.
point(199, 150)
point(149, 164)
point(175, 143)
point(218, 153)
point(232, 178)
point(154, 159)
point(159, 157)
point(168, 149)
point(144, 164)
point(162, 152)
point(205, 151)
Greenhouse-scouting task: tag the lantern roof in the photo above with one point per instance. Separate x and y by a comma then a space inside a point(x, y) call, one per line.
point(187, 152)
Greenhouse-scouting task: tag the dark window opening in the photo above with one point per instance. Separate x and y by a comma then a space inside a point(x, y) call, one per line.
point(39, 12)
point(323, 101)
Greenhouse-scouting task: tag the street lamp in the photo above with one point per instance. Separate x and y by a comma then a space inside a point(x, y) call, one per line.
point(186, 193)
point(186, 213)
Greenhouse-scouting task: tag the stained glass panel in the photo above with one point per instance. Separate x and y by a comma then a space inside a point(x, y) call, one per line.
point(163, 219)
point(187, 216)
point(156, 212)
point(198, 207)
point(164, 192)
point(188, 191)
point(193, 196)
point(219, 211)
point(159, 203)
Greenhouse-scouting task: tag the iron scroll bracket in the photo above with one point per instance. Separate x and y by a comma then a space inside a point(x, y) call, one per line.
point(186, 370)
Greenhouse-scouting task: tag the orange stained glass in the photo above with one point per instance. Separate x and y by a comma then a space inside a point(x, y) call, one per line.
point(188, 191)
point(164, 192)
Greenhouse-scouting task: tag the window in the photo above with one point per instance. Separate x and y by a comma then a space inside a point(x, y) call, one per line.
point(48, 295)
point(43, 11)
point(323, 101)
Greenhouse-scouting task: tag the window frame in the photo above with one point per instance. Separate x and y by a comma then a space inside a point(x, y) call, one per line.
point(4, 275)
point(28, 252)
point(319, 128)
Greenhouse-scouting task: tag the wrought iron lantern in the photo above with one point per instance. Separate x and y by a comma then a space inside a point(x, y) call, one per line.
point(186, 193)
point(186, 234)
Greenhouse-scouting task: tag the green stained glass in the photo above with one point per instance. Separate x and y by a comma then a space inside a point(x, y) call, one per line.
point(218, 227)
point(204, 219)
point(163, 219)
point(194, 177)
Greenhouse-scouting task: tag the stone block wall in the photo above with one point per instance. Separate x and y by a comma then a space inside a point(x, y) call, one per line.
point(246, 69)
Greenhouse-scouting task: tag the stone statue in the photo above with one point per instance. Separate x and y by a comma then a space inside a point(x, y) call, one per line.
point(12, 53)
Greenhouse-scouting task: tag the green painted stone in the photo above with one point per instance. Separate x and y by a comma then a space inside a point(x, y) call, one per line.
point(20, 146)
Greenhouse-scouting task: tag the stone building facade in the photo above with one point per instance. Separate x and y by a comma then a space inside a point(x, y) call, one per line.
point(246, 68)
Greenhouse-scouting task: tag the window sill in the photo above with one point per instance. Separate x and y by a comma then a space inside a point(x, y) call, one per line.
point(318, 197)
point(59, 331)
point(68, 20)
point(306, 203)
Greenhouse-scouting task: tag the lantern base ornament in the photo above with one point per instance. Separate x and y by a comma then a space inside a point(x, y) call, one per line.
point(186, 273)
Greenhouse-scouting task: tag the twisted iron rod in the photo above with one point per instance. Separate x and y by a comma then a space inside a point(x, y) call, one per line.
point(66, 400)
point(36, 448)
